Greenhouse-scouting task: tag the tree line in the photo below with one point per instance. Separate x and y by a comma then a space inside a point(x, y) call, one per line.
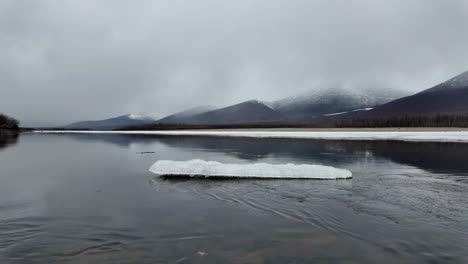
point(440, 120)
point(9, 123)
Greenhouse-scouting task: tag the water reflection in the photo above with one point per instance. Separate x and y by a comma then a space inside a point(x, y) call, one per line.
point(441, 158)
point(8, 139)
point(444, 158)
point(91, 199)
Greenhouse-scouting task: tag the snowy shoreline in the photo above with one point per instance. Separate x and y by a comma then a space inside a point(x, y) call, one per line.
point(412, 136)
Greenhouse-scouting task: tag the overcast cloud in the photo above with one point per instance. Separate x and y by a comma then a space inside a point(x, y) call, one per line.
point(62, 61)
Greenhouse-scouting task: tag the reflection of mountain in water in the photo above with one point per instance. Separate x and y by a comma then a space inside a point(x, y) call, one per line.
point(114, 139)
point(255, 149)
point(433, 157)
point(7, 139)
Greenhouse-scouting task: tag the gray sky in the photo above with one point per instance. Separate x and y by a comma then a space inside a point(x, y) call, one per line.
point(62, 61)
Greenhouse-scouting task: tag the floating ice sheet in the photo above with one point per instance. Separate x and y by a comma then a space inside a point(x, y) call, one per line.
point(213, 169)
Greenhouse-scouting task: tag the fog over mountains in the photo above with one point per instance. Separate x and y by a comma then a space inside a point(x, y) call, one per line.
point(185, 115)
point(450, 97)
point(97, 59)
point(331, 101)
point(113, 123)
point(300, 108)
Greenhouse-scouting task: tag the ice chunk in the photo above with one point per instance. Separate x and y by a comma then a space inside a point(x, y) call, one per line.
point(214, 169)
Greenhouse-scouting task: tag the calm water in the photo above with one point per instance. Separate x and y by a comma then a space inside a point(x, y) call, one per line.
point(91, 199)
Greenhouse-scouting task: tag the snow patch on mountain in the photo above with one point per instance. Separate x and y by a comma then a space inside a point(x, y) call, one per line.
point(143, 117)
point(458, 81)
point(135, 117)
point(363, 97)
point(267, 104)
point(333, 101)
point(335, 114)
point(363, 109)
point(342, 113)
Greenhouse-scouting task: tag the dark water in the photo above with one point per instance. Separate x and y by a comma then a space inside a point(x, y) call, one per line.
point(91, 199)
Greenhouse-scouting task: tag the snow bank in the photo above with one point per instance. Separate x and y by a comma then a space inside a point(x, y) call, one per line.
point(451, 136)
point(213, 169)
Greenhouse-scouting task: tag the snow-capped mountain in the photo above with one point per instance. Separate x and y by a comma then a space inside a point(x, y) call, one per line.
point(458, 82)
point(449, 97)
point(115, 122)
point(330, 101)
point(320, 103)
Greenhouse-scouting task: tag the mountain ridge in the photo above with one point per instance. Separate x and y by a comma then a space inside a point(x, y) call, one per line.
point(327, 104)
point(332, 100)
point(113, 123)
point(252, 111)
point(449, 97)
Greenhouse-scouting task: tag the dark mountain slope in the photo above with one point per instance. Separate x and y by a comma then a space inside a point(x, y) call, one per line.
point(331, 101)
point(250, 112)
point(184, 116)
point(112, 123)
point(450, 97)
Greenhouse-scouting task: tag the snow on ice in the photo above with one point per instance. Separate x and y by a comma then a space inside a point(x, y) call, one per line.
point(214, 169)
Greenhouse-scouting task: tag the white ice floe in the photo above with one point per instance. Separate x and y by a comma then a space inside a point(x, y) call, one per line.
point(450, 136)
point(213, 169)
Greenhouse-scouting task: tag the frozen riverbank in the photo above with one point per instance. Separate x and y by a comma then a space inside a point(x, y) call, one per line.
point(417, 136)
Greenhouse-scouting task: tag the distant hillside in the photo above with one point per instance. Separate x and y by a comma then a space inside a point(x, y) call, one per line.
point(303, 108)
point(113, 123)
point(250, 112)
point(184, 116)
point(332, 101)
point(8, 123)
point(450, 97)
point(443, 105)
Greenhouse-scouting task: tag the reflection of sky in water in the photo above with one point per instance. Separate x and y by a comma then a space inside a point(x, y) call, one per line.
point(88, 198)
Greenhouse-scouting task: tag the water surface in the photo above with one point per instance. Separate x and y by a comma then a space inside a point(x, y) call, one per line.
point(90, 199)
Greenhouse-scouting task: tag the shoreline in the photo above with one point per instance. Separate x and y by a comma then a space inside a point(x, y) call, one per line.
point(377, 129)
point(278, 129)
point(425, 135)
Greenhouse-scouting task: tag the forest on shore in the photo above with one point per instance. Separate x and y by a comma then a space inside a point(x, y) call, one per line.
point(407, 121)
point(439, 120)
point(8, 123)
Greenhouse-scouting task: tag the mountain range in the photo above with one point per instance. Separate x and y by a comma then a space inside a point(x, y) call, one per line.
point(249, 112)
point(450, 97)
point(331, 101)
point(184, 116)
point(113, 123)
